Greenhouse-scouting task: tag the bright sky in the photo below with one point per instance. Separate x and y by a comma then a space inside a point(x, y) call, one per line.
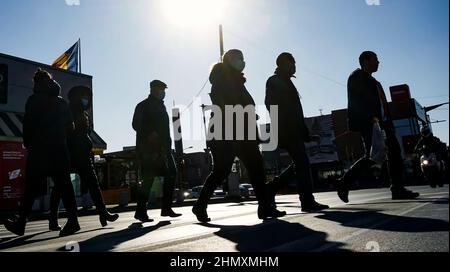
point(126, 44)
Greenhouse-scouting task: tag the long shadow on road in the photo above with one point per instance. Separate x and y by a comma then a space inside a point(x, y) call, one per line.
point(109, 241)
point(439, 201)
point(11, 242)
point(280, 235)
point(273, 235)
point(376, 220)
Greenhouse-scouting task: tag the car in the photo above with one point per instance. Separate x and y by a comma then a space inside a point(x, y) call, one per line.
point(246, 190)
point(195, 192)
point(219, 193)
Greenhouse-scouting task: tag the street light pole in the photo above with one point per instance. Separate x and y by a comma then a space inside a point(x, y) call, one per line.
point(222, 50)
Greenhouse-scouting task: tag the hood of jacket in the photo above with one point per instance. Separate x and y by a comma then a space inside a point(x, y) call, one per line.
point(48, 87)
point(221, 72)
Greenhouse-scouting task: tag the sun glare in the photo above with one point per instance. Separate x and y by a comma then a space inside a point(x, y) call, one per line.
point(193, 13)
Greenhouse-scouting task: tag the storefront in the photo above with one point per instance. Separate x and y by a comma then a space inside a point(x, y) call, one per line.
point(16, 85)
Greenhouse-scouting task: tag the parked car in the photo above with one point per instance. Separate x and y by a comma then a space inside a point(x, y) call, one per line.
point(195, 192)
point(246, 190)
point(219, 193)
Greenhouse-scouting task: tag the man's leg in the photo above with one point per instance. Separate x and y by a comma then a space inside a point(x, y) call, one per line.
point(32, 181)
point(304, 178)
point(223, 158)
point(169, 187)
point(280, 181)
point(358, 168)
point(396, 167)
point(144, 187)
point(55, 199)
point(89, 178)
point(250, 155)
point(62, 179)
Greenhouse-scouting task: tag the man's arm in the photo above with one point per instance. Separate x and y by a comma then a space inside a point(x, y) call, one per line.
point(272, 95)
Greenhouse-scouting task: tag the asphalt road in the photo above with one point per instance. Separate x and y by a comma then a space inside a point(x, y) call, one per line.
point(371, 222)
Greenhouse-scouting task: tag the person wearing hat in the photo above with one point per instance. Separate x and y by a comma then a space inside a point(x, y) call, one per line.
point(153, 147)
point(81, 157)
point(293, 132)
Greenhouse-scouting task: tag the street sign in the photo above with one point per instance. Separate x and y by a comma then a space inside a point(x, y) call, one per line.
point(400, 93)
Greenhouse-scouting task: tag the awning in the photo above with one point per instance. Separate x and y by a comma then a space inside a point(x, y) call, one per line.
point(11, 128)
point(11, 125)
point(97, 141)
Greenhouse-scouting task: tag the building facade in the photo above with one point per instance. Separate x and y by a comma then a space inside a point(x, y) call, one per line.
point(16, 85)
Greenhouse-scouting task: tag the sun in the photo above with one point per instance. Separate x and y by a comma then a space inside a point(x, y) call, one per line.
point(193, 13)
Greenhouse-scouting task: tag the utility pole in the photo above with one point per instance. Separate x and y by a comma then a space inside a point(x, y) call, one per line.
point(222, 50)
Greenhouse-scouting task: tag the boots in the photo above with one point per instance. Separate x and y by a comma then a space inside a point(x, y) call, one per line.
point(267, 211)
point(200, 213)
point(53, 225)
point(16, 226)
point(72, 226)
point(403, 194)
point(141, 213)
point(168, 212)
point(106, 217)
point(310, 205)
point(313, 206)
point(343, 188)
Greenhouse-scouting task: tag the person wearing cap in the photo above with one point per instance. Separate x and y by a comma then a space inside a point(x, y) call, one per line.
point(153, 147)
point(293, 132)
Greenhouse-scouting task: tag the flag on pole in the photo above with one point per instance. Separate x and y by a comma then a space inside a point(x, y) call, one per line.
point(70, 59)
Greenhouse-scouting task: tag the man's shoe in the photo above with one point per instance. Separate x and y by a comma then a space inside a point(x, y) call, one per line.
point(143, 217)
point(106, 217)
point(170, 213)
point(313, 206)
point(53, 225)
point(70, 228)
point(17, 227)
point(404, 194)
point(269, 212)
point(201, 214)
point(343, 191)
point(272, 190)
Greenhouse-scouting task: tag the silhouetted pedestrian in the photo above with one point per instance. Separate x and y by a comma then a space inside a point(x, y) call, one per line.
point(292, 132)
point(154, 154)
point(47, 122)
point(81, 157)
point(367, 105)
point(228, 89)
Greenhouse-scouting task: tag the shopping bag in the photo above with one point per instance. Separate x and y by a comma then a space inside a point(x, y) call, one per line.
point(378, 152)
